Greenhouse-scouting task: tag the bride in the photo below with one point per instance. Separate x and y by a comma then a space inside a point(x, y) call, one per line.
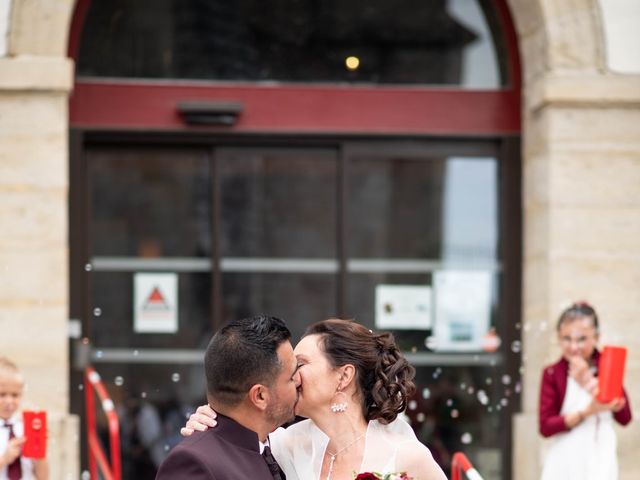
point(354, 383)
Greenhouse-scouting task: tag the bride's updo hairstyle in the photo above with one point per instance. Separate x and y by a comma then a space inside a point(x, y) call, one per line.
point(384, 377)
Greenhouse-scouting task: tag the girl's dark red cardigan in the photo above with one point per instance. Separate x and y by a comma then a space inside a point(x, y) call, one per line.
point(552, 390)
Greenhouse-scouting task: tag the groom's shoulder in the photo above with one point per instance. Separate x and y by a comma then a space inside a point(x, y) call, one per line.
point(195, 443)
point(188, 459)
point(201, 455)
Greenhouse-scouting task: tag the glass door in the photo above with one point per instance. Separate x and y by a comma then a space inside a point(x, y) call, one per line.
point(148, 289)
point(278, 233)
point(408, 236)
point(424, 260)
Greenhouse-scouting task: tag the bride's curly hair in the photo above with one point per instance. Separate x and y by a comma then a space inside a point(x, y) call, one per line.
point(384, 376)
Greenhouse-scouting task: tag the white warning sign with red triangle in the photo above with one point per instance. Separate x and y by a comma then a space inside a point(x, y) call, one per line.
point(155, 303)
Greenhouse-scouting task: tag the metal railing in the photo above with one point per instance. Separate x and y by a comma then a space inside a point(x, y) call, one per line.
point(460, 465)
point(97, 457)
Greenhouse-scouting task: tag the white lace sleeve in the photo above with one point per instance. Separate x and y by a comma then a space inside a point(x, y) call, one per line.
point(395, 448)
point(300, 450)
point(281, 448)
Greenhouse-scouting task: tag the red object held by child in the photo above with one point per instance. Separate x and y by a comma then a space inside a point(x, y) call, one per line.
point(611, 373)
point(35, 431)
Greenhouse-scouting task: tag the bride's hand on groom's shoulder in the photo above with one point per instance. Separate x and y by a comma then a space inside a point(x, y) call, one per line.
point(203, 418)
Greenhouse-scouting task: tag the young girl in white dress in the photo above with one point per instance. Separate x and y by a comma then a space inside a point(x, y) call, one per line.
point(584, 442)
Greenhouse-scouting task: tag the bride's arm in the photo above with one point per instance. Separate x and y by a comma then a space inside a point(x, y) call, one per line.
point(203, 418)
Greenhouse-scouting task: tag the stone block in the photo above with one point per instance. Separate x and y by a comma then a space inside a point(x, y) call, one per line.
point(40, 27)
point(33, 161)
point(38, 218)
point(32, 115)
point(34, 277)
point(596, 180)
point(628, 441)
point(536, 190)
point(602, 279)
point(31, 73)
point(535, 143)
point(573, 35)
point(64, 447)
point(536, 231)
point(526, 15)
point(536, 281)
point(39, 347)
point(526, 453)
point(596, 230)
point(535, 63)
point(594, 130)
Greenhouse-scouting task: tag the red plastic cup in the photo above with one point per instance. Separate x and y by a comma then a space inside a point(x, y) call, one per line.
point(611, 373)
point(35, 431)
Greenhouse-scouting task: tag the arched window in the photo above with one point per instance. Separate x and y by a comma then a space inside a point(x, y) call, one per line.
point(306, 159)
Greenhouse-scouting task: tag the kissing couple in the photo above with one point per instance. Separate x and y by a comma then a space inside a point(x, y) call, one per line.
point(349, 382)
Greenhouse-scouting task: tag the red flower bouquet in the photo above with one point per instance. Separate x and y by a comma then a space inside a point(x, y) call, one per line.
point(382, 476)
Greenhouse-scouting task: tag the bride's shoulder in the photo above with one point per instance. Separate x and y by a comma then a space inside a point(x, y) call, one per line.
point(416, 457)
point(290, 433)
point(411, 455)
point(303, 426)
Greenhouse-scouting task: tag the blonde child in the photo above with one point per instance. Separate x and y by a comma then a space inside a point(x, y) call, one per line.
point(12, 465)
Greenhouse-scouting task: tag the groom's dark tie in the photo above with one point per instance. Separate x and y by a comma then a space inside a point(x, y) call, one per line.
point(274, 468)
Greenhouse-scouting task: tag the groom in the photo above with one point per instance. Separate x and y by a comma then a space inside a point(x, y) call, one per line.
point(252, 382)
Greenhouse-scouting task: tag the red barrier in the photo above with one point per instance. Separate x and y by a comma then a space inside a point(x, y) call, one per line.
point(97, 457)
point(459, 464)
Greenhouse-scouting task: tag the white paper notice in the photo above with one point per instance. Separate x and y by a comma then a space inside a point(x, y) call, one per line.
point(403, 307)
point(462, 309)
point(155, 308)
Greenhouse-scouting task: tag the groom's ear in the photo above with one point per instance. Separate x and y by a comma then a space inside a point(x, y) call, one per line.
point(259, 396)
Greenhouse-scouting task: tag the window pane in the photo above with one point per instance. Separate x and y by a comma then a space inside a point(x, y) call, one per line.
point(423, 207)
point(150, 203)
point(152, 403)
point(402, 42)
point(278, 203)
point(299, 299)
point(461, 409)
point(112, 323)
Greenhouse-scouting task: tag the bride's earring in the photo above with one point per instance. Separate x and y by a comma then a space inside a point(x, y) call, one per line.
point(339, 402)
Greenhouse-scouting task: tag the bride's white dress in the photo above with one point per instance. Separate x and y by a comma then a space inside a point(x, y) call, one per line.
point(300, 448)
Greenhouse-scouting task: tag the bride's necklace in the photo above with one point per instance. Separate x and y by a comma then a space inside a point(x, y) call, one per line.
point(332, 456)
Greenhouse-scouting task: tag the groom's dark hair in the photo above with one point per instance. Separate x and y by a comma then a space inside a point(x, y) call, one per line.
point(242, 354)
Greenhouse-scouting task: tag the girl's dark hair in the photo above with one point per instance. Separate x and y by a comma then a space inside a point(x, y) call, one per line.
point(384, 376)
point(578, 310)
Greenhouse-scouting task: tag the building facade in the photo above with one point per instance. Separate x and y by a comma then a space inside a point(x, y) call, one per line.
point(580, 202)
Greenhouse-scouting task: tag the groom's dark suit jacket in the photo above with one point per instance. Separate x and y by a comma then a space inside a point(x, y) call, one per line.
point(227, 452)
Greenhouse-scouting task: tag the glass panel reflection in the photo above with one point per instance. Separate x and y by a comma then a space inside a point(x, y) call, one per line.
point(278, 203)
point(427, 207)
point(461, 409)
point(112, 324)
point(298, 299)
point(152, 403)
point(361, 41)
point(150, 203)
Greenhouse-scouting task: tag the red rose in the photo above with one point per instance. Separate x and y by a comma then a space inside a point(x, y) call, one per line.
point(366, 476)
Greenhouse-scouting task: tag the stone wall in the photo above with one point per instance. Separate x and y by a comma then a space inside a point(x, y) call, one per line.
point(35, 81)
point(581, 200)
